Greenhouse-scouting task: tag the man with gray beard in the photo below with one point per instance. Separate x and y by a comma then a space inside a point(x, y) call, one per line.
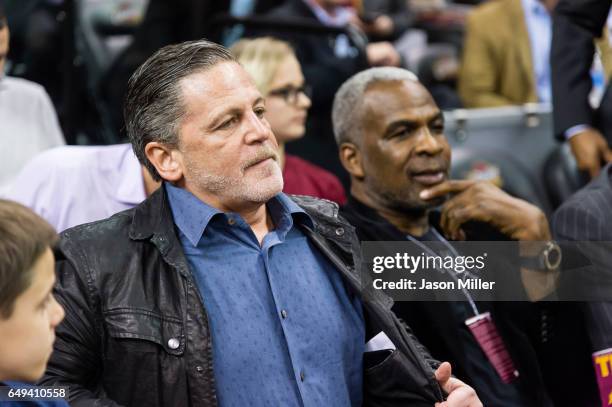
point(219, 289)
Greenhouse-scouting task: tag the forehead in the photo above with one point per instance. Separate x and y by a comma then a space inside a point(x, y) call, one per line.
point(289, 66)
point(386, 102)
point(226, 81)
point(43, 277)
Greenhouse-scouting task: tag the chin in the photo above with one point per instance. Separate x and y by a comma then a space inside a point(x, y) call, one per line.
point(432, 203)
point(263, 189)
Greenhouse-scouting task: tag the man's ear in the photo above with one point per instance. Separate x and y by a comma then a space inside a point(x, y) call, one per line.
point(350, 156)
point(167, 161)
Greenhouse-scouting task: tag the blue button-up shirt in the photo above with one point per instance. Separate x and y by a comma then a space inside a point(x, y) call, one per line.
point(539, 26)
point(285, 331)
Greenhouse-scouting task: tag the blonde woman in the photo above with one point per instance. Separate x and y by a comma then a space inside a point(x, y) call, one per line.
point(278, 75)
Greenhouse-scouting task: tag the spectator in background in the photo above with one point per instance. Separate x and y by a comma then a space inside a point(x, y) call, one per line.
point(29, 312)
point(585, 217)
point(327, 61)
point(72, 185)
point(576, 23)
point(28, 123)
point(506, 56)
point(506, 53)
point(279, 78)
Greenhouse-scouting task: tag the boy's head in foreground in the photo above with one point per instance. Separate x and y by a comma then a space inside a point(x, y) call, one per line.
point(28, 310)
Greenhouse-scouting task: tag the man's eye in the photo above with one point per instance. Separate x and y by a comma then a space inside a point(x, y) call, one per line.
point(439, 128)
point(228, 123)
point(400, 133)
point(260, 112)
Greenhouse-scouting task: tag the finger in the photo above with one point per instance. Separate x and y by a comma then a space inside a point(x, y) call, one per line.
point(456, 218)
point(464, 396)
point(447, 213)
point(594, 169)
point(456, 212)
point(443, 373)
point(607, 155)
point(453, 384)
point(446, 187)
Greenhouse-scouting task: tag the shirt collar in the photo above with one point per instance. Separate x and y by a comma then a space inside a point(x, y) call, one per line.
point(535, 7)
point(192, 216)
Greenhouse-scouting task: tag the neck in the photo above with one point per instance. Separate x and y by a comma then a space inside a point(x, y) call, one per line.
point(414, 223)
point(259, 220)
point(255, 214)
point(150, 185)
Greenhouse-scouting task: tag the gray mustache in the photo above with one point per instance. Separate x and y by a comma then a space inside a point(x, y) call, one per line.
point(263, 154)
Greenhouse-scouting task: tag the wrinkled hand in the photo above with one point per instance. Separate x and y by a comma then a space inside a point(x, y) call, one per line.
point(484, 202)
point(459, 393)
point(382, 54)
point(590, 149)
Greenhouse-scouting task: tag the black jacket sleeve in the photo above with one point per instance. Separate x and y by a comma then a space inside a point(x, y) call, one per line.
point(76, 361)
point(576, 23)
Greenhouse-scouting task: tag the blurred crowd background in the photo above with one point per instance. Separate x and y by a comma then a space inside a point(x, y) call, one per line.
point(470, 54)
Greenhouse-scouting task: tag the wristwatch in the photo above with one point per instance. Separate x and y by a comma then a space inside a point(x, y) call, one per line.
point(549, 258)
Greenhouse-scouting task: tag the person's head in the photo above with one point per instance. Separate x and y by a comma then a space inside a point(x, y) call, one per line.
point(278, 76)
point(28, 310)
point(390, 133)
point(4, 39)
point(196, 119)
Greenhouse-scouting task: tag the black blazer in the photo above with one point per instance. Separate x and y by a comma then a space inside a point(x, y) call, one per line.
point(576, 23)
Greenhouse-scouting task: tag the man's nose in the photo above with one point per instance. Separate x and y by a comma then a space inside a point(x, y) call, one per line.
point(428, 143)
point(258, 129)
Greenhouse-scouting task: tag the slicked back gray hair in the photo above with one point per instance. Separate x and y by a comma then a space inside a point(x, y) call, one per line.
point(348, 101)
point(153, 104)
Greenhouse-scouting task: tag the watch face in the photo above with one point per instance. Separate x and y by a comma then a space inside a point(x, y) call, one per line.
point(552, 255)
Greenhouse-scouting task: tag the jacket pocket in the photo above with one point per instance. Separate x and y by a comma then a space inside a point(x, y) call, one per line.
point(137, 324)
point(390, 383)
point(144, 358)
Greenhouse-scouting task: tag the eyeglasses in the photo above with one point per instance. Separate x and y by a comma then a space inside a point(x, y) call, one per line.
point(291, 94)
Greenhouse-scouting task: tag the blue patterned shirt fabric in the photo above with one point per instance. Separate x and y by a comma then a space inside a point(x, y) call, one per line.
point(285, 330)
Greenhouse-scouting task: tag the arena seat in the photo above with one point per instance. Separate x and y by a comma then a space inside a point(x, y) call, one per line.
point(561, 175)
point(515, 141)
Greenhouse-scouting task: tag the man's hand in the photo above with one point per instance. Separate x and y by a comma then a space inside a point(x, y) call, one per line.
point(515, 218)
point(459, 393)
point(484, 202)
point(590, 149)
point(381, 26)
point(382, 54)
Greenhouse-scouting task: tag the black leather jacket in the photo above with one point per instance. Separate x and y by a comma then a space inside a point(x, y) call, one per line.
point(136, 332)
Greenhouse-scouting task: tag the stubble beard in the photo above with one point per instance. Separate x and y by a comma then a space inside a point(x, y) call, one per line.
point(254, 185)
